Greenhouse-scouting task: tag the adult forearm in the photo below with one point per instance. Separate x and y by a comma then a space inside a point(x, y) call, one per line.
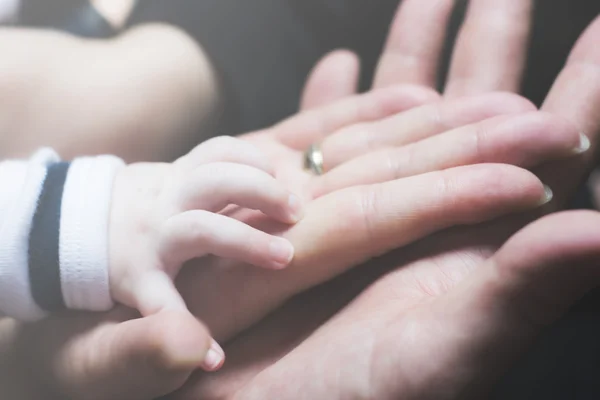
point(146, 95)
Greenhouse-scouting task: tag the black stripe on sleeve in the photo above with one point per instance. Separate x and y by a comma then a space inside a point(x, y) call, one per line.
point(44, 267)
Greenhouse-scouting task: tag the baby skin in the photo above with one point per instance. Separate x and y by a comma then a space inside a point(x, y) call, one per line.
point(92, 233)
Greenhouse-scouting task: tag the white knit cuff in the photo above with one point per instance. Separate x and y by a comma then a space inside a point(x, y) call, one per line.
point(21, 186)
point(83, 250)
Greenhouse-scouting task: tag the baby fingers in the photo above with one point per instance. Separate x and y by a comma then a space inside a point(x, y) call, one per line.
point(197, 233)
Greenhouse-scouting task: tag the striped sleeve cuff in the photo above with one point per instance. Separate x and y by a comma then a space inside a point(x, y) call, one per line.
point(54, 243)
point(21, 187)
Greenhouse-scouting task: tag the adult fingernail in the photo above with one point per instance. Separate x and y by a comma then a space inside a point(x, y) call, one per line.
point(547, 196)
point(281, 252)
point(584, 144)
point(214, 358)
point(296, 209)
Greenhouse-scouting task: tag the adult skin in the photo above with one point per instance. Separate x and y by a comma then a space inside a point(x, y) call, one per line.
point(449, 304)
point(60, 360)
point(149, 94)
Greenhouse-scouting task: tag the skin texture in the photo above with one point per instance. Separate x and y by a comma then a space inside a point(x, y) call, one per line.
point(448, 282)
point(163, 215)
point(464, 192)
point(494, 302)
point(148, 95)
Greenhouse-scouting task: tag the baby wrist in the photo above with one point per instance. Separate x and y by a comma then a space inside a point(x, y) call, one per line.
point(84, 233)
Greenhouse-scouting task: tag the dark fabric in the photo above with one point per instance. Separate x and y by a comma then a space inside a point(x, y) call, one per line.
point(87, 22)
point(44, 267)
point(583, 199)
point(78, 17)
point(556, 26)
point(264, 49)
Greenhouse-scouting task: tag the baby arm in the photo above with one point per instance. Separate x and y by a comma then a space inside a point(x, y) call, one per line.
point(87, 234)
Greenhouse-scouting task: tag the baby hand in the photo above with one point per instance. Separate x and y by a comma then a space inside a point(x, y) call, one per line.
point(166, 214)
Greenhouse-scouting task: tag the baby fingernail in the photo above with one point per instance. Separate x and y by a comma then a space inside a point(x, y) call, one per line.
point(548, 195)
point(584, 144)
point(281, 252)
point(214, 358)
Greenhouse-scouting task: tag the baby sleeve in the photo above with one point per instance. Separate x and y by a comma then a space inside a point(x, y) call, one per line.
point(54, 219)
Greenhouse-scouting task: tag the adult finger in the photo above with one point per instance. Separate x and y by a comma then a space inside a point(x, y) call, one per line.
point(353, 225)
point(491, 49)
point(414, 45)
point(528, 284)
point(494, 313)
point(417, 124)
point(575, 94)
point(312, 126)
point(524, 140)
point(197, 233)
point(576, 97)
point(214, 186)
point(344, 228)
point(267, 342)
point(333, 78)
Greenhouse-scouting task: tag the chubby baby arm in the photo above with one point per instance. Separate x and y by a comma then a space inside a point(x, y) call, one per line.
point(90, 233)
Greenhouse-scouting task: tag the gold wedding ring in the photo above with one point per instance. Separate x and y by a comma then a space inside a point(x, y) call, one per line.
point(313, 159)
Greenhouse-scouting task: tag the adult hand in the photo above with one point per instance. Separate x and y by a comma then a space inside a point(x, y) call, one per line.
point(442, 327)
point(71, 365)
point(443, 135)
point(451, 303)
point(528, 193)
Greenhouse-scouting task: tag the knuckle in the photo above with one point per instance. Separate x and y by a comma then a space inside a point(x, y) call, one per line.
point(369, 202)
point(437, 115)
point(217, 172)
point(391, 164)
point(391, 160)
point(409, 159)
point(280, 197)
point(479, 139)
point(197, 226)
point(446, 185)
point(193, 224)
point(365, 136)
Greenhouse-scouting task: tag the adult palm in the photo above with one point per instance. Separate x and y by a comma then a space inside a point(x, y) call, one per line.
point(364, 221)
point(447, 307)
point(432, 134)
